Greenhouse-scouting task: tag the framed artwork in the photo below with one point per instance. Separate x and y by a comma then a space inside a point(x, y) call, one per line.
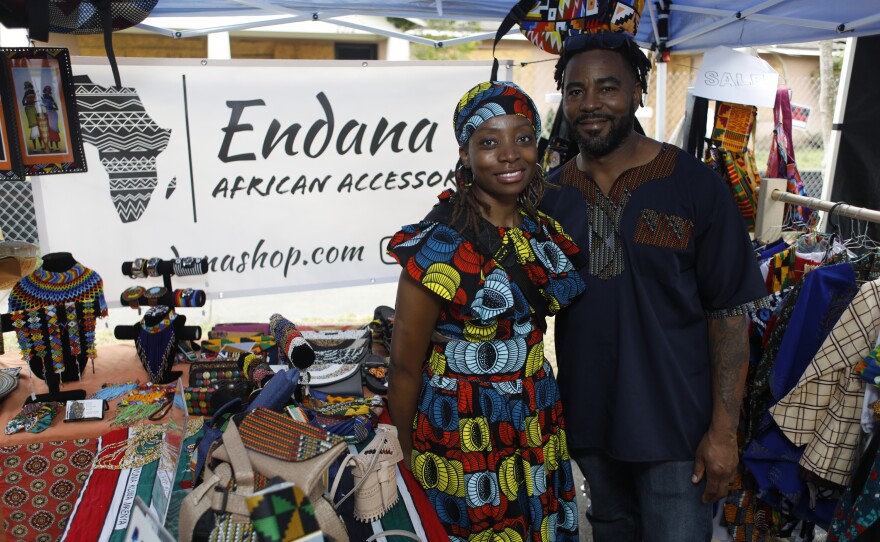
point(41, 114)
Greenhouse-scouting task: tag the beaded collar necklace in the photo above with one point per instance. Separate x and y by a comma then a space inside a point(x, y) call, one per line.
point(43, 287)
point(155, 343)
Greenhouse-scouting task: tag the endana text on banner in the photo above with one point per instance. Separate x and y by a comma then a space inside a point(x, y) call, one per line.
point(287, 175)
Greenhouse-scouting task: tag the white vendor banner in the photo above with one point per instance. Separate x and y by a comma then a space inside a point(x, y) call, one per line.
point(287, 175)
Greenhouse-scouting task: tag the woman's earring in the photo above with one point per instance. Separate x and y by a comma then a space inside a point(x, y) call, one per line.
point(464, 176)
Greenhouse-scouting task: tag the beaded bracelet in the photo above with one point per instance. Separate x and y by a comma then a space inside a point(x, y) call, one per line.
point(188, 266)
point(189, 297)
point(261, 375)
point(248, 360)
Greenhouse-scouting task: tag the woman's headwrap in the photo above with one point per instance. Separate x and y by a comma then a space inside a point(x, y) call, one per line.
point(491, 99)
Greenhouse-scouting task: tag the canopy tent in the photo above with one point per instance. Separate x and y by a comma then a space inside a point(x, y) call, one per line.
point(693, 25)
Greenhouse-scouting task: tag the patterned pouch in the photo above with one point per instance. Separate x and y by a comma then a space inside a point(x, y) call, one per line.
point(33, 418)
point(281, 509)
point(198, 400)
point(354, 429)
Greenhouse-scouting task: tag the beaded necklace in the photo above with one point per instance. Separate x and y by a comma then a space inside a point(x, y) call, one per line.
point(21, 332)
point(42, 287)
point(54, 337)
point(155, 343)
point(38, 344)
point(143, 402)
point(19, 323)
point(72, 328)
point(108, 392)
point(88, 328)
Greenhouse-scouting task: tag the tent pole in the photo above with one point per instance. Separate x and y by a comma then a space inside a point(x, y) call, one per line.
point(809, 23)
point(830, 157)
point(734, 17)
point(178, 34)
point(864, 21)
point(650, 8)
point(660, 106)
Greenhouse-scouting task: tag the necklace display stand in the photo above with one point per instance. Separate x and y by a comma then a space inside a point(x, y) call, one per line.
point(139, 297)
point(182, 332)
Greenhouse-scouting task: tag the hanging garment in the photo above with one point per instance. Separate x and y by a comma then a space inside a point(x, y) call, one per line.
point(823, 410)
point(857, 519)
point(781, 163)
point(770, 456)
point(740, 174)
point(733, 125)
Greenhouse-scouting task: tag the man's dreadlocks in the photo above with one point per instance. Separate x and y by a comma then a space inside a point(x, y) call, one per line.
point(631, 52)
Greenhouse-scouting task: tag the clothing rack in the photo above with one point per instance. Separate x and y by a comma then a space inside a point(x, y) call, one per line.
point(772, 198)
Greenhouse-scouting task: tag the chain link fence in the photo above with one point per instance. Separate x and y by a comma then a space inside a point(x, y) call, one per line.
point(536, 78)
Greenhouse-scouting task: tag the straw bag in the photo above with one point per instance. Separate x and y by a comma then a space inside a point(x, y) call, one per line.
point(375, 475)
point(237, 464)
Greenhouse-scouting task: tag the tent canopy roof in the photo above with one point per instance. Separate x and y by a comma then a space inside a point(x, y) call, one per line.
point(693, 24)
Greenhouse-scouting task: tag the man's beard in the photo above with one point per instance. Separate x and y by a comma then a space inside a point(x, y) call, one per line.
point(597, 146)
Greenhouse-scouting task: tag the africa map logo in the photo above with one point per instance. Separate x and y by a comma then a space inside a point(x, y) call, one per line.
point(128, 140)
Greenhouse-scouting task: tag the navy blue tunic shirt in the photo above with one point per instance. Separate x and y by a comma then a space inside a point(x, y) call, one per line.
point(668, 249)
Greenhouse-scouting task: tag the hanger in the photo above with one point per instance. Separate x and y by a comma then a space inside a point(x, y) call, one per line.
point(865, 241)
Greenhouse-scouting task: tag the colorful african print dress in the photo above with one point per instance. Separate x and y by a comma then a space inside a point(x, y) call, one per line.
point(489, 441)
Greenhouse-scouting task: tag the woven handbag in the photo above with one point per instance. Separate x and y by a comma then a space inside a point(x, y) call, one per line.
point(218, 504)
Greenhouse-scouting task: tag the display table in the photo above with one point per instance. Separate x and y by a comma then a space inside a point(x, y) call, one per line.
point(116, 363)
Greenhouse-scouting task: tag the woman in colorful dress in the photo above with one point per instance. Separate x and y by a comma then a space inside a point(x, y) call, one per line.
point(29, 101)
point(50, 107)
point(474, 401)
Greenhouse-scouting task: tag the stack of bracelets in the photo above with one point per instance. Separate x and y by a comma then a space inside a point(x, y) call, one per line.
point(138, 296)
point(256, 369)
point(142, 268)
